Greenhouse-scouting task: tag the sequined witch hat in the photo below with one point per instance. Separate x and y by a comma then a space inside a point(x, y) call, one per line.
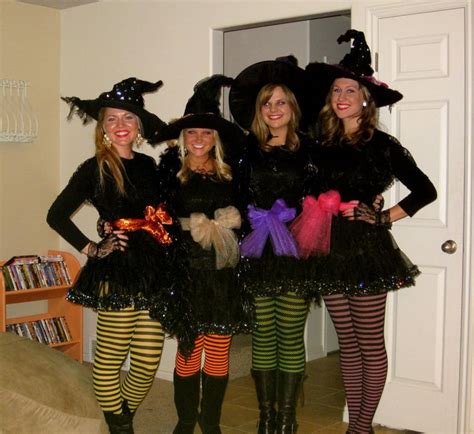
point(203, 111)
point(243, 92)
point(355, 65)
point(127, 95)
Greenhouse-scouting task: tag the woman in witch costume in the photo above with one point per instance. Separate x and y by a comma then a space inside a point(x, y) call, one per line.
point(198, 185)
point(357, 161)
point(265, 99)
point(124, 277)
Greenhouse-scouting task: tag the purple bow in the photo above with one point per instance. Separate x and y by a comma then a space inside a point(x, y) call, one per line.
point(270, 223)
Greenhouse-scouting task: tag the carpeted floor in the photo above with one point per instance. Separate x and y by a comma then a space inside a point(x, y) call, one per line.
point(322, 411)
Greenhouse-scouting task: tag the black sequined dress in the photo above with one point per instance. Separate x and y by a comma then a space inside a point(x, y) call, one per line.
point(266, 177)
point(364, 258)
point(147, 274)
point(219, 303)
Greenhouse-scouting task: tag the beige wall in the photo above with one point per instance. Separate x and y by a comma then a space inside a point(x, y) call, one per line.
point(29, 172)
point(470, 79)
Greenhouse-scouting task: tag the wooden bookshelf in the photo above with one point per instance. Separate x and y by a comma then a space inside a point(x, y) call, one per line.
point(57, 306)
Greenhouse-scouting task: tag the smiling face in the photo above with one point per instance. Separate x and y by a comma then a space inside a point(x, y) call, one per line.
point(121, 126)
point(276, 112)
point(346, 101)
point(198, 142)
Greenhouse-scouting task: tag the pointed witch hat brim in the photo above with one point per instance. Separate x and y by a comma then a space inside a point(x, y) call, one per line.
point(247, 85)
point(355, 65)
point(126, 95)
point(202, 111)
point(322, 75)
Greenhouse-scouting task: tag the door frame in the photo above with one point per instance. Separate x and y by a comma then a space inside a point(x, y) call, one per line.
point(373, 15)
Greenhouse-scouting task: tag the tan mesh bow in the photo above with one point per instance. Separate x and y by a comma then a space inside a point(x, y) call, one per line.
point(218, 233)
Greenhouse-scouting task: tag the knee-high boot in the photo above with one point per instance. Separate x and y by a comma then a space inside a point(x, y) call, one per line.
point(289, 384)
point(186, 400)
point(120, 423)
point(213, 391)
point(265, 384)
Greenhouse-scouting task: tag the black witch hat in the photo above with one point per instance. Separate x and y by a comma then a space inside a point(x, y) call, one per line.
point(247, 85)
point(126, 95)
point(355, 65)
point(203, 111)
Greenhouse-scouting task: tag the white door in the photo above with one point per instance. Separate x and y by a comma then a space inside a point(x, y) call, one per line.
point(422, 56)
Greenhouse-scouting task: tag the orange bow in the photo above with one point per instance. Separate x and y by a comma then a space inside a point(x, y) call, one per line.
point(152, 223)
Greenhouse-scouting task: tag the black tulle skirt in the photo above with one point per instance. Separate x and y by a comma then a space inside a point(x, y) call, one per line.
point(272, 275)
point(220, 304)
point(364, 259)
point(146, 276)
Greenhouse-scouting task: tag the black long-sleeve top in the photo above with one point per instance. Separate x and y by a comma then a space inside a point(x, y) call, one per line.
point(141, 186)
point(362, 172)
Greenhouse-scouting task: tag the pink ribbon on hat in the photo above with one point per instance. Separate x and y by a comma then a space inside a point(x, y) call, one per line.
point(373, 80)
point(312, 228)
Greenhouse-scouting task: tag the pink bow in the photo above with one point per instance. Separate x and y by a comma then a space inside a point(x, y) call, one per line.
point(312, 228)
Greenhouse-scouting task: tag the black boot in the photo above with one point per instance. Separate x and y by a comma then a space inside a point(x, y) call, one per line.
point(288, 388)
point(213, 391)
point(186, 400)
point(265, 384)
point(120, 423)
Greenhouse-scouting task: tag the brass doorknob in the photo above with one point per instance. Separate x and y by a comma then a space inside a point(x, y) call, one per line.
point(449, 247)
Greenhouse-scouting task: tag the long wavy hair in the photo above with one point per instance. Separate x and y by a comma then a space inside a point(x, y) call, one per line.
point(107, 156)
point(332, 128)
point(260, 128)
point(223, 170)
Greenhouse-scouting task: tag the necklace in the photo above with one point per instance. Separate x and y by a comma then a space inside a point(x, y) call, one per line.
point(202, 168)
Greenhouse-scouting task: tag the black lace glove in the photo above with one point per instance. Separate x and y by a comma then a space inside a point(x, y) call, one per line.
point(367, 214)
point(104, 228)
point(382, 218)
point(104, 248)
point(378, 203)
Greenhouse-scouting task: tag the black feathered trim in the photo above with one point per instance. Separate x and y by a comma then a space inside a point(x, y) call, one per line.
point(76, 108)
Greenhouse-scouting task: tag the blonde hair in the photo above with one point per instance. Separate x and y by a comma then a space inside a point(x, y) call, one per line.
point(332, 128)
point(223, 170)
point(260, 128)
point(107, 156)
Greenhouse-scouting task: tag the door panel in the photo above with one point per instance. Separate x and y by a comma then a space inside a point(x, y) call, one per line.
point(422, 56)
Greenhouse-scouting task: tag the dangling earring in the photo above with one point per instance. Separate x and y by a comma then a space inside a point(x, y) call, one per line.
point(106, 141)
point(364, 104)
point(139, 140)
